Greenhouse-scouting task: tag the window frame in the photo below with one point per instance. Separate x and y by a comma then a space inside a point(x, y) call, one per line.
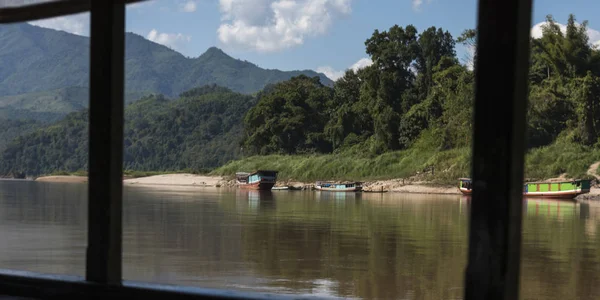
point(497, 164)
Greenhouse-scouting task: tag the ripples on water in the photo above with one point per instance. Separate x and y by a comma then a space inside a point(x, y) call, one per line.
point(387, 246)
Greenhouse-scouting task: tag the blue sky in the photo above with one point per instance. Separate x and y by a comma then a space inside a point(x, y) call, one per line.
point(323, 35)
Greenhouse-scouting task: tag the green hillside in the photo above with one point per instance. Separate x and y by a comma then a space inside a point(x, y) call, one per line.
point(11, 129)
point(199, 130)
point(35, 59)
point(45, 106)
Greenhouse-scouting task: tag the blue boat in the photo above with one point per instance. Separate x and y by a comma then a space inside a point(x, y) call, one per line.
point(338, 187)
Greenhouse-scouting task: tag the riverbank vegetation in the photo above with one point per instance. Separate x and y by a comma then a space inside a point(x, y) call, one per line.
point(408, 113)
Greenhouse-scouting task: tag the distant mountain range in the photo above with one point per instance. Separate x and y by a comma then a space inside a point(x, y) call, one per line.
point(44, 73)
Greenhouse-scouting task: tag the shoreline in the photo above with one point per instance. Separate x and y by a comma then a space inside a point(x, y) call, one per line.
point(193, 180)
point(187, 180)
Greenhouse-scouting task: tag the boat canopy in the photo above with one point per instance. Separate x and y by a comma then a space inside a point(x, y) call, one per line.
point(562, 181)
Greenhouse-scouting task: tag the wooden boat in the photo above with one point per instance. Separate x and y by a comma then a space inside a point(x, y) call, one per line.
point(257, 180)
point(465, 186)
point(561, 190)
point(338, 187)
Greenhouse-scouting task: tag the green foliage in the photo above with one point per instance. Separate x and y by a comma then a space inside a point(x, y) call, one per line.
point(49, 106)
point(197, 132)
point(290, 118)
point(559, 158)
point(11, 129)
point(449, 165)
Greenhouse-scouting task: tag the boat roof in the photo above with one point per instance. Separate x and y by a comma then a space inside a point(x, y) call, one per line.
point(562, 181)
point(342, 182)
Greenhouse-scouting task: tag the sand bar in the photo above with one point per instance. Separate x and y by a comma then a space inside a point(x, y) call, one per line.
point(66, 178)
point(177, 180)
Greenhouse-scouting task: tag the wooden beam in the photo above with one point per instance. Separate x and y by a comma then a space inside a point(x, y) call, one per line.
point(501, 69)
point(107, 53)
point(46, 10)
point(44, 286)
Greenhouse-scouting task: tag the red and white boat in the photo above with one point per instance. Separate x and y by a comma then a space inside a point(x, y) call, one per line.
point(257, 180)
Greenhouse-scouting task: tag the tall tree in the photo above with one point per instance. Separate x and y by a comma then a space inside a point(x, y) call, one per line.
point(290, 118)
point(434, 44)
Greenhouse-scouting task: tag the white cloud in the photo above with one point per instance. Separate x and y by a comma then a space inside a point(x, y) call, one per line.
point(77, 24)
point(189, 6)
point(333, 74)
point(417, 4)
point(361, 63)
point(330, 72)
point(594, 35)
point(172, 40)
point(468, 58)
point(272, 25)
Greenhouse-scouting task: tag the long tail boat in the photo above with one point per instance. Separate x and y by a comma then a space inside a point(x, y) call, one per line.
point(560, 189)
point(465, 186)
point(338, 187)
point(257, 180)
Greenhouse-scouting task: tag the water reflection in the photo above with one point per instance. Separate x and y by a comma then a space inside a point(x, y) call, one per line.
point(374, 246)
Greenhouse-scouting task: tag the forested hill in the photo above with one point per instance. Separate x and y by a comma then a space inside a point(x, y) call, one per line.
point(200, 130)
point(35, 59)
point(417, 95)
point(411, 109)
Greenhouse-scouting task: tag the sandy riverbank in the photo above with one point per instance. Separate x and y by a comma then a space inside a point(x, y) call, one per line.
point(66, 178)
point(392, 185)
point(167, 179)
point(178, 180)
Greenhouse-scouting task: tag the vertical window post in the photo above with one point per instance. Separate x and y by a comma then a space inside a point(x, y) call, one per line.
point(103, 262)
point(501, 70)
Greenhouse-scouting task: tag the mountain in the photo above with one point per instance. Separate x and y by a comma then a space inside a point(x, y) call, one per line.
point(200, 130)
point(35, 59)
point(47, 106)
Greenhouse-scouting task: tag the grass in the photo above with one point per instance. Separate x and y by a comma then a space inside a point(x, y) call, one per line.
point(541, 163)
point(559, 158)
point(352, 165)
point(448, 166)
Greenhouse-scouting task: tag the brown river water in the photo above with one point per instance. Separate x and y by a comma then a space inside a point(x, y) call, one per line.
point(369, 246)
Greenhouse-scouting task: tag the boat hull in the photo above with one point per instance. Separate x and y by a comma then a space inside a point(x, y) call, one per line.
point(261, 186)
point(555, 195)
point(465, 191)
point(354, 189)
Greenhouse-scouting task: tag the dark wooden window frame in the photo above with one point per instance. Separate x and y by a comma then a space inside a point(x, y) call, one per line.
point(497, 165)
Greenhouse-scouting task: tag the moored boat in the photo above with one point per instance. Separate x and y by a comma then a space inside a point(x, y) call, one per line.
point(338, 187)
point(465, 186)
point(257, 180)
point(561, 189)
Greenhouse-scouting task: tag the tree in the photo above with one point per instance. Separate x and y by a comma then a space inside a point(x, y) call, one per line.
point(290, 118)
point(434, 44)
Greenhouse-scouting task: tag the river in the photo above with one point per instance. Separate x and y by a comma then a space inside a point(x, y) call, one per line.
point(371, 246)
